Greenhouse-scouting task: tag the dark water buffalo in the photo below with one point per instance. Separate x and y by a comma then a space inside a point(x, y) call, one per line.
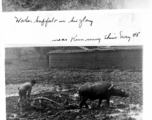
point(99, 90)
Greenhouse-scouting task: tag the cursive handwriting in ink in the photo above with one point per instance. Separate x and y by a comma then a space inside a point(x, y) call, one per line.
point(109, 36)
point(62, 21)
point(81, 21)
point(76, 39)
point(44, 22)
point(93, 39)
point(21, 20)
point(124, 36)
point(73, 20)
point(85, 20)
point(136, 34)
point(63, 40)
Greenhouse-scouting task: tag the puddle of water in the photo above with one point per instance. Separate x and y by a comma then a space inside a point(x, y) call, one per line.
point(76, 95)
point(13, 91)
point(12, 95)
point(135, 112)
point(116, 114)
point(135, 115)
point(64, 90)
point(120, 110)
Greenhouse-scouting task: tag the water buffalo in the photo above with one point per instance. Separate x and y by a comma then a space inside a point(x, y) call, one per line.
point(99, 90)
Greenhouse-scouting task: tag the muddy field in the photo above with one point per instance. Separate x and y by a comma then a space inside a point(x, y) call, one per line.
point(62, 86)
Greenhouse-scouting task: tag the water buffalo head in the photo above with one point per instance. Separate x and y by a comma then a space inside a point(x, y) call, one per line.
point(119, 92)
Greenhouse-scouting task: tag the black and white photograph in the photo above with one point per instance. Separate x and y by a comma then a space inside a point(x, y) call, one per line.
point(60, 5)
point(75, 59)
point(74, 82)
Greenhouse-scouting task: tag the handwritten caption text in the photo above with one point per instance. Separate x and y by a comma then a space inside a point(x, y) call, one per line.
point(45, 21)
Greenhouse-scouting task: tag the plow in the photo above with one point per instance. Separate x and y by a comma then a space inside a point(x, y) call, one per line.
point(43, 101)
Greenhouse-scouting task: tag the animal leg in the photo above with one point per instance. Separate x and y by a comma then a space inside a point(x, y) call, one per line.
point(86, 105)
point(108, 101)
point(99, 102)
point(83, 102)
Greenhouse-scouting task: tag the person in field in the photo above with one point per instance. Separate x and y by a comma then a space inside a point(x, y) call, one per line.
point(25, 91)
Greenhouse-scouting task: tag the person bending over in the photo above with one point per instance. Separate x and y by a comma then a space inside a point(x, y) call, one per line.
point(25, 91)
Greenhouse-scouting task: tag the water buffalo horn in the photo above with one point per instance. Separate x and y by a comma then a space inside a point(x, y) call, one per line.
point(110, 87)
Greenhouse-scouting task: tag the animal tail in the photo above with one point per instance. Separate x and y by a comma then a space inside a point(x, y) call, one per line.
point(79, 97)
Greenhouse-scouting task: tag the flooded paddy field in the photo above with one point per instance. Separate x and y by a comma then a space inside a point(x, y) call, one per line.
point(62, 86)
